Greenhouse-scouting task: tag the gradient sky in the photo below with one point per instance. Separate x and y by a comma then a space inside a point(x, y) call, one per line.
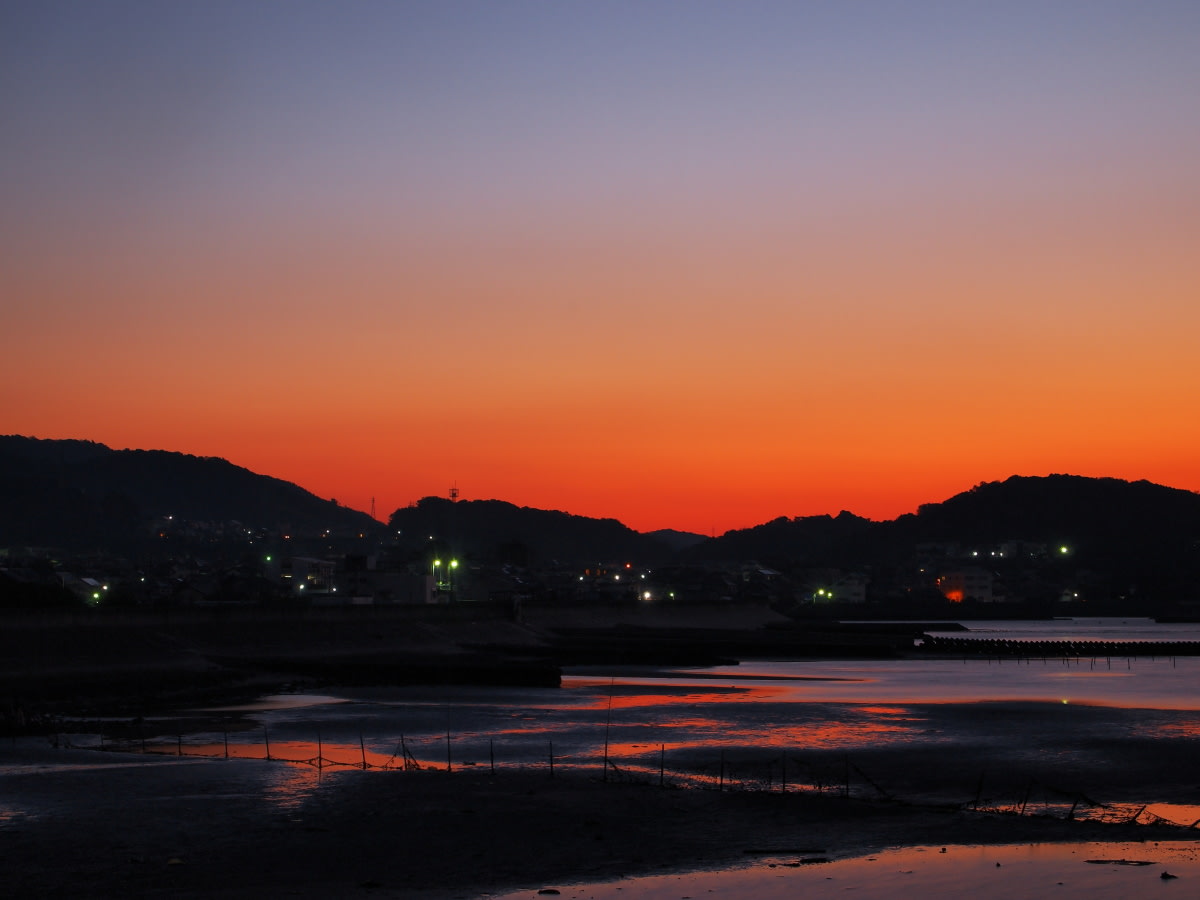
point(685, 264)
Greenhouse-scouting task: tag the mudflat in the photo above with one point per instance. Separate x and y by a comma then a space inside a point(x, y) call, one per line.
point(85, 823)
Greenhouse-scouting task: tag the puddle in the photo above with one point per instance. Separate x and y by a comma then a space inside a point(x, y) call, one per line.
point(1098, 871)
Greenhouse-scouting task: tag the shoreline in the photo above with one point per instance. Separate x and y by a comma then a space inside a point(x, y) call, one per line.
point(83, 823)
point(135, 663)
point(101, 825)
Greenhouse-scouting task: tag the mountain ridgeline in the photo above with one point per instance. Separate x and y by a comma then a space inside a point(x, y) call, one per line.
point(82, 495)
point(1132, 537)
point(1102, 518)
point(521, 535)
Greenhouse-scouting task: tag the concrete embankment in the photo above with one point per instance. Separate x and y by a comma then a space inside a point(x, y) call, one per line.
point(135, 661)
point(131, 662)
point(1084, 649)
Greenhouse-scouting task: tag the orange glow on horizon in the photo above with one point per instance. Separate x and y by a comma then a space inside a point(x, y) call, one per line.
point(489, 265)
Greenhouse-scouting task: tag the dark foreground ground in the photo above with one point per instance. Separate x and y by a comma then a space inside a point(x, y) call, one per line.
point(79, 823)
point(84, 823)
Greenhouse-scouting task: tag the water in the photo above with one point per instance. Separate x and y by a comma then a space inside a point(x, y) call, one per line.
point(1109, 739)
point(771, 725)
point(1095, 871)
point(801, 703)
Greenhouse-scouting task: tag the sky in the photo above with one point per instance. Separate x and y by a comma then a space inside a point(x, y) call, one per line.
point(689, 265)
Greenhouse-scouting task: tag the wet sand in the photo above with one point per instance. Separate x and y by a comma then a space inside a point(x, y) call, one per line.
point(1095, 871)
point(84, 823)
point(81, 823)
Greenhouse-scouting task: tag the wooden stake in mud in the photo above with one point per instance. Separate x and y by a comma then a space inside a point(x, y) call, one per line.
point(363, 747)
point(552, 759)
point(662, 761)
point(320, 751)
point(721, 776)
point(1025, 799)
point(267, 741)
point(783, 775)
point(448, 764)
point(492, 754)
point(608, 724)
point(410, 761)
point(226, 733)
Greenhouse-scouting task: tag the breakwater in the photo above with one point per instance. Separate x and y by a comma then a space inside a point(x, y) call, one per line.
point(1072, 649)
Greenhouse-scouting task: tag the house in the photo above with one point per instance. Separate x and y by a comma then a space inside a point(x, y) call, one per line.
point(969, 583)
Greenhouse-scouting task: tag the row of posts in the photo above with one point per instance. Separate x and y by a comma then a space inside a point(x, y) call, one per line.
point(410, 762)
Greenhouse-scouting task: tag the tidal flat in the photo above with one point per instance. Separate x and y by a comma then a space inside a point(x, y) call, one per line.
point(750, 770)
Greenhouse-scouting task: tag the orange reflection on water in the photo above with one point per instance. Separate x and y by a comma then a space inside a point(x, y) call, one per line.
point(878, 725)
point(1178, 813)
point(289, 786)
point(810, 736)
point(898, 711)
point(306, 763)
point(691, 698)
point(309, 753)
point(1103, 871)
point(675, 716)
point(1179, 729)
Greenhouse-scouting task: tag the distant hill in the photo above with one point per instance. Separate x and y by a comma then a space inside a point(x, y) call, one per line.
point(84, 495)
point(1098, 513)
point(1127, 538)
point(1143, 537)
point(677, 540)
point(1124, 539)
point(809, 541)
point(500, 531)
point(1102, 511)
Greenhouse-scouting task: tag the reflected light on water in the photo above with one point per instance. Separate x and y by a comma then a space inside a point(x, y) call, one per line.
point(1177, 729)
point(289, 786)
point(691, 698)
point(819, 736)
point(1179, 813)
point(1096, 871)
point(1009, 720)
point(275, 702)
point(309, 753)
point(11, 816)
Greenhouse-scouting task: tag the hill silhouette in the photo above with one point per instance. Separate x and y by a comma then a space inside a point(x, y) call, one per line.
point(1124, 539)
point(82, 494)
point(499, 531)
point(1093, 514)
